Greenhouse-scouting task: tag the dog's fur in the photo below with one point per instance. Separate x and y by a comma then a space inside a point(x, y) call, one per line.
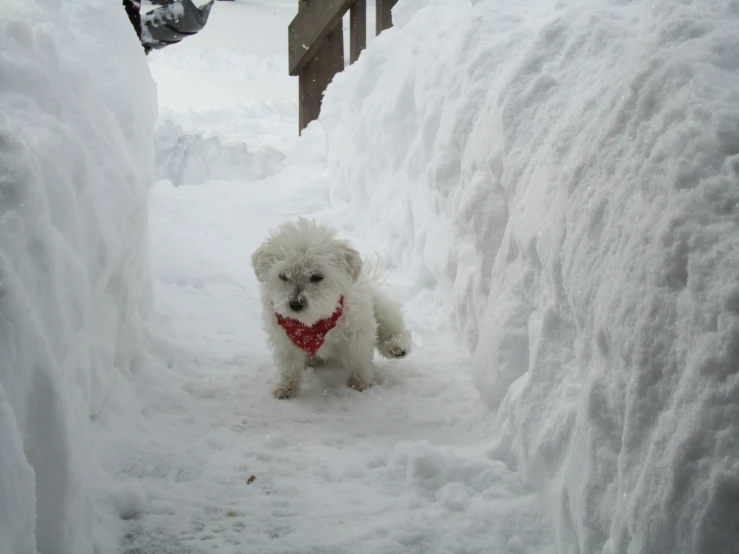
point(284, 265)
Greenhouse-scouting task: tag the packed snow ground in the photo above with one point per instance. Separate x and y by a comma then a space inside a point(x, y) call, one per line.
point(402, 467)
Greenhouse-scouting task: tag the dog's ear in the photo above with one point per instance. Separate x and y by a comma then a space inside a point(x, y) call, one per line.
point(350, 259)
point(262, 260)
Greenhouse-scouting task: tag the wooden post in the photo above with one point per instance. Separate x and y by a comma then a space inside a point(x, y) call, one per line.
point(317, 74)
point(316, 48)
point(357, 29)
point(330, 58)
point(384, 15)
point(307, 79)
point(309, 95)
point(316, 52)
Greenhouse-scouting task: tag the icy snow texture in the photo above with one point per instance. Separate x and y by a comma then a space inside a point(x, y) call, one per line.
point(568, 174)
point(77, 107)
point(187, 158)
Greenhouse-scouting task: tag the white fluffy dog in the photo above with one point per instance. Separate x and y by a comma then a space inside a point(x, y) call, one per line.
point(319, 306)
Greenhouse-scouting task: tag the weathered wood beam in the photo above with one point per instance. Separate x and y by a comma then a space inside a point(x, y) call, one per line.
point(317, 74)
point(357, 29)
point(306, 33)
point(384, 17)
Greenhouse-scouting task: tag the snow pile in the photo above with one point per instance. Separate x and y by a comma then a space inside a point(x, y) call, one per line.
point(567, 175)
point(187, 158)
point(77, 107)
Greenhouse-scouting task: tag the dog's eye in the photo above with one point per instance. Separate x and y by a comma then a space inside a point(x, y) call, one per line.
point(283, 277)
point(316, 278)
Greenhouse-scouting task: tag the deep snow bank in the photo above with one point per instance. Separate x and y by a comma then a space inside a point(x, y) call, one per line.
point(77, 107)
point(567, 174)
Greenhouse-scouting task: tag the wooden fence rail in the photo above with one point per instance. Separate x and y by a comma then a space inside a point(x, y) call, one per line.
point(316, 45)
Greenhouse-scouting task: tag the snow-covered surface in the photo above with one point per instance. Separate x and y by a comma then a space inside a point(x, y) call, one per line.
point(566, 176)
point(554, 188)
point(77, 107)
point(334, 470)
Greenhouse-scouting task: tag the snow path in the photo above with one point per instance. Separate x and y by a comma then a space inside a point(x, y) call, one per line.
point(404, 467)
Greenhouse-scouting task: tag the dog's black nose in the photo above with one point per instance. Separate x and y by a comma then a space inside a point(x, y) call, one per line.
point(296, 305)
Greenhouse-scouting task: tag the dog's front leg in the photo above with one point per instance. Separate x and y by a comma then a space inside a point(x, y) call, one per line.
point(290, 364)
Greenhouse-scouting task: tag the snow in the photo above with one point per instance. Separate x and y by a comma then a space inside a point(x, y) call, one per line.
point(553, 187)
point(75, 165)
point(334, 470)
point(565, 178)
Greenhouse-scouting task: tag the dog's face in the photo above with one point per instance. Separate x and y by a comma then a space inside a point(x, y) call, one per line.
point(305, 270)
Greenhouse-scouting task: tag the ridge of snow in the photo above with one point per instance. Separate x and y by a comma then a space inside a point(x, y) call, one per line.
point(77, 108)
point(565, 176)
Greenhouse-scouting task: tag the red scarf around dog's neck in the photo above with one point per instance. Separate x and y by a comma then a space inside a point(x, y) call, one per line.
point(310, 339)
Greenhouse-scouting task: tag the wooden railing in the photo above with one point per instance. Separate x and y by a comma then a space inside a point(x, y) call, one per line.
point(316, 45)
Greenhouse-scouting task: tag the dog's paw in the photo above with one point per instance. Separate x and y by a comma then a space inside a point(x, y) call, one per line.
point(357, 382)
point(283, 391)
point(397, 346)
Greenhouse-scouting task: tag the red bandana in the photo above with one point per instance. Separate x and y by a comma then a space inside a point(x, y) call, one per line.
point(310, 338)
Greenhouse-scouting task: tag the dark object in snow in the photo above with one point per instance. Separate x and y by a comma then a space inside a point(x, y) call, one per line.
point(316, 46)
point(250, 480)
point(132, 10)
point(168, 23)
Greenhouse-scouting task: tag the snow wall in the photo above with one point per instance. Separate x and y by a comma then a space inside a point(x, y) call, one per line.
point(566, 175)
point(77, 110)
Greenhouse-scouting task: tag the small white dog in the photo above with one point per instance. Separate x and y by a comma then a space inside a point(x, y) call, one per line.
point(319, 306)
